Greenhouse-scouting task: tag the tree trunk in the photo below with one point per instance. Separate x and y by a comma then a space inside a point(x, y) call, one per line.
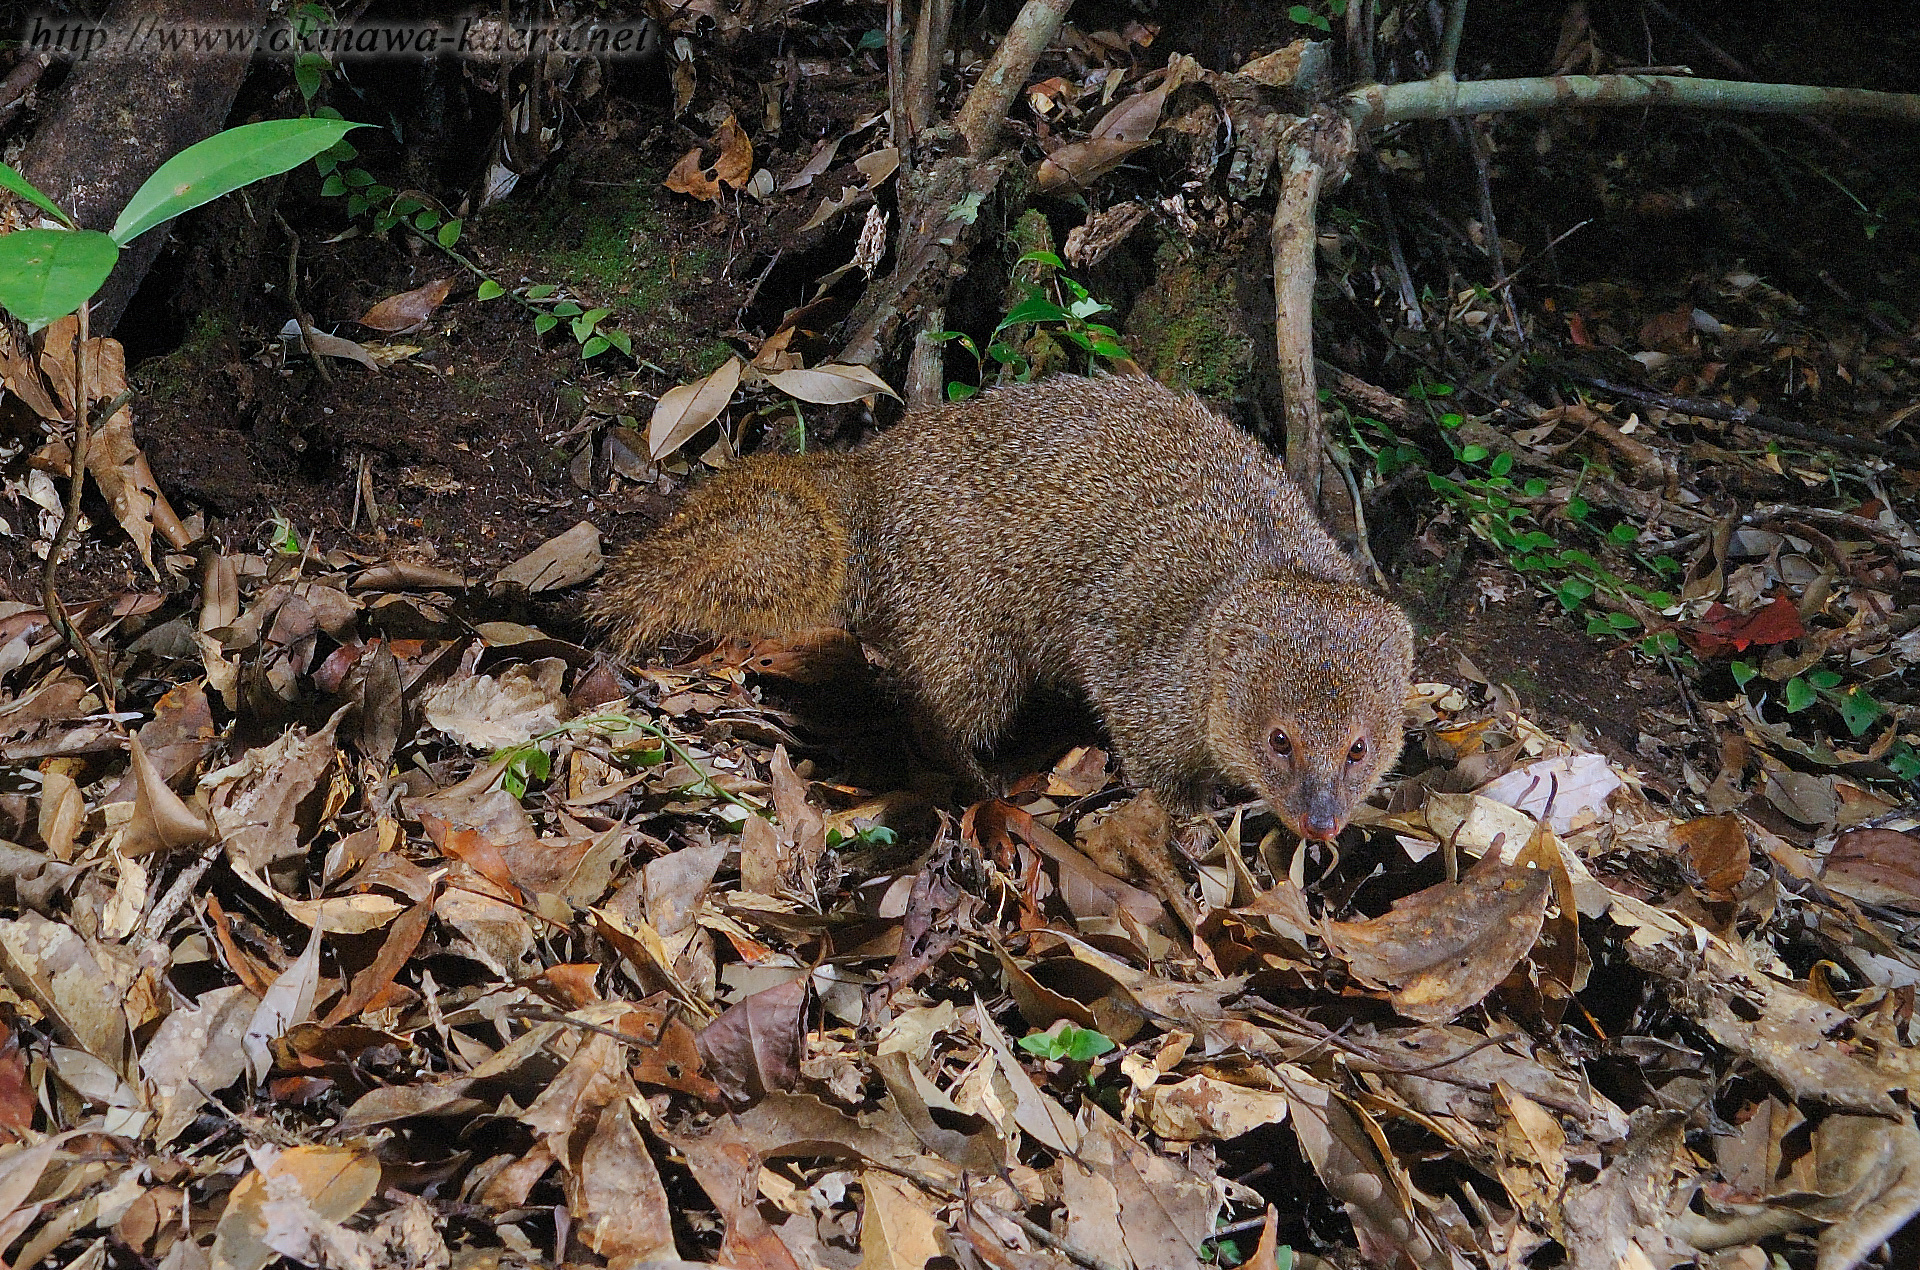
point(121, 114)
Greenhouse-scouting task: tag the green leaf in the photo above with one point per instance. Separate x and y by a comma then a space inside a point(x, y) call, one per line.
point(333, 187)
point(356, 204)
point(1578, 507)
point(544, 323)
point(1473, 453)
point(957, 391)
point(1077, 1044)
point(1033, 309)
point(1622, 621)
point(1857, 710)
point(1084, 1044)
point(221, 164)
point(1043, 258)
point(1300, 13)
point(1743, 672)
point(489, 290)
point(1572, 592)
point(595, 346)
point(1799, 695)
point(1536, 487)
point(620, 340)
point(1824, 679)
point(308, 70)
point(449, 234)
point(581, 328)
point(46, 274)
point(406, 205)
point(1623, 534)
point(1452, 420)
point(593, 317)
point(567, 309)
point(541, 292)
point(425, 219)
point(874, 39)
point(26, 189)
point(1502, 464)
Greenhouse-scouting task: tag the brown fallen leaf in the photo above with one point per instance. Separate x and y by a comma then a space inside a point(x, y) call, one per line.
point(400, 313)
point(754, 1048)
point(1441, 951)
point(562, 561)
point(733, 166)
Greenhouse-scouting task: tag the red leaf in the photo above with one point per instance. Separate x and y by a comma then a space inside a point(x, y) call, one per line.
point(1720, 630)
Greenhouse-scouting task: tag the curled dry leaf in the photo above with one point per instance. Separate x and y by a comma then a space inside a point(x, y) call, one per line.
point(1121, 131)
point(407, 310)
point(732, 167)
point(1441, 951)
point(684, 410)
point(831, 384)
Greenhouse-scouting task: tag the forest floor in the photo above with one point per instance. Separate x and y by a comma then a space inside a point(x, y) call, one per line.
point(438, 939)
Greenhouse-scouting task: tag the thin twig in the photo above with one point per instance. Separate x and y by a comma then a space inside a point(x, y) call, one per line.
point(1705, 409)
point(70, 520)
point(1904, 542)
point(293, 298)
point(183, 888)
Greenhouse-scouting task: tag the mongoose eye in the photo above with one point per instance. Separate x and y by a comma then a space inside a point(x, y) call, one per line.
point(1358, 752)
point(1280, 744)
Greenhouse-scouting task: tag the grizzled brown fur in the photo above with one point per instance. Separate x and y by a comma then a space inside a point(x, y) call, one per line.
point(1107, 535)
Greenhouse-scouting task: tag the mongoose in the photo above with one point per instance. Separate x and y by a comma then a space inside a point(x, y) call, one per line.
point(1107, 535)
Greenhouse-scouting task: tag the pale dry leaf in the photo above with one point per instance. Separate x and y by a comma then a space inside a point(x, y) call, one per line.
point(198, 1047)
point(831, 384)
point(324, 345)
point(1575, 786)
point(683, 410)
point(53, 964)
point(561, 561)
point(335, 1181)
point(487, 712)
point(898, 1229)
point(821, 159)
point(288, 1001)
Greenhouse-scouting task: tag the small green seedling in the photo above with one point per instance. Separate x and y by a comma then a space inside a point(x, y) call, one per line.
point(1064, 1042)
point(866, 836)
point(1066, 315)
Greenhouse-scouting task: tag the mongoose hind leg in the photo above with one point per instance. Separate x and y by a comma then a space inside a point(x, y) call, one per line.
point(961, 705)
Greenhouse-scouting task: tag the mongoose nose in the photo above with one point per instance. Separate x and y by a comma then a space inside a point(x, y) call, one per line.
point(1321, 828)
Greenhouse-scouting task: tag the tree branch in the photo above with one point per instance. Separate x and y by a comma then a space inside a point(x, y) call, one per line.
point(1376, 105)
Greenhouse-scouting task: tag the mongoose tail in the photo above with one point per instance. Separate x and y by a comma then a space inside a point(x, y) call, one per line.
point(763, 548)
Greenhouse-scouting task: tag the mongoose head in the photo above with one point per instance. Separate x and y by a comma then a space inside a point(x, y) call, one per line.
point(1308, 685)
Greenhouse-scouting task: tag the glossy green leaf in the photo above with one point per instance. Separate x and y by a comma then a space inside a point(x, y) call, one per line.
point(1857, 710)
point(46, 274)
point(26, 189)
point(221, 164)
point(1799, 695)
point(489, 290)
point(449, 234)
